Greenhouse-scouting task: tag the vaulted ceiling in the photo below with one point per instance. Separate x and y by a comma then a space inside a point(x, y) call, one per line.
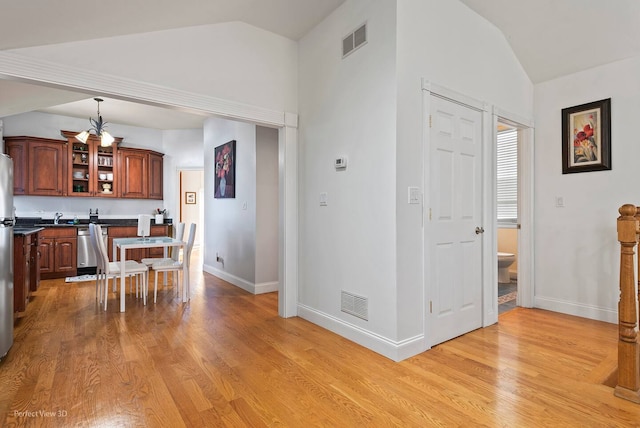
point(42, 22)
point(551, 38)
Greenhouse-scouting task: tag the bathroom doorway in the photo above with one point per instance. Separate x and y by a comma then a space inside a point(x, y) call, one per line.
point(507, 214)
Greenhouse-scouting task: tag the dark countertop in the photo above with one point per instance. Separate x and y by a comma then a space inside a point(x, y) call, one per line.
point(22, 230)
point(31, 222)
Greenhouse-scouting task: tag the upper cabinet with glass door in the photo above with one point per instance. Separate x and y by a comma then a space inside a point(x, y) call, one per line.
point(92, 168)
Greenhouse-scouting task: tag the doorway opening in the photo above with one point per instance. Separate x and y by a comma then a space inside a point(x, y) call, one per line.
point(190, 200)
point(507, 215)
point(517, 217)
point(191, 207)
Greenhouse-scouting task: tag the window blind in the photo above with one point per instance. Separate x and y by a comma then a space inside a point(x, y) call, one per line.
point(507, 172)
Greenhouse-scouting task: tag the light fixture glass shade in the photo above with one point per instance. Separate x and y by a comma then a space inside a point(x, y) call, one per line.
point(83, 136)
point(106, 139)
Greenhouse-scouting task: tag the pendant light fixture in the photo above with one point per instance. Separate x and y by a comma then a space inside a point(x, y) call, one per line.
point(98, 128)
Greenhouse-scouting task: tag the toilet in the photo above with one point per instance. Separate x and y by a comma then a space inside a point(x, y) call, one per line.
point(504, 261)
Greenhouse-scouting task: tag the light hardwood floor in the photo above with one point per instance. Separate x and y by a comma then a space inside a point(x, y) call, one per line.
point(227, 359)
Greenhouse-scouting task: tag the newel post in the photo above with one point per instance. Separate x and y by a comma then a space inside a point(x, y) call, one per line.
point(628, 349)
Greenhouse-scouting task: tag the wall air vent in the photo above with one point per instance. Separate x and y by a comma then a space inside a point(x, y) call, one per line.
point(355, 305)
point(354, 40)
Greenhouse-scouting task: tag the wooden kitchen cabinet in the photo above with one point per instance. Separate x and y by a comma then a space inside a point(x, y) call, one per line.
point(58, 252)
point(134, 173)
point(34, 263)
point(17, 151)
point(48, 167)
point(132, 231)
point(39, 165)
point(92, 168)
point(21, 271)
point(47, 163)
point(141, 173)
point(156, 176)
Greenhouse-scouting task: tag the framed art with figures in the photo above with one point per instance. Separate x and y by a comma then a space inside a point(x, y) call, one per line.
point(225, 170)
point(586, 137)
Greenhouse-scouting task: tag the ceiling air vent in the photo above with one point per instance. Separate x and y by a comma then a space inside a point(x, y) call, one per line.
point(355, 305)
point(354, 40)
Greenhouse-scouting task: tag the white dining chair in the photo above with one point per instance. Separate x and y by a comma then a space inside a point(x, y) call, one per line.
point(178, 233)
point(177, 265)
point(112, 269)
point(102, 279)
point(99, 262)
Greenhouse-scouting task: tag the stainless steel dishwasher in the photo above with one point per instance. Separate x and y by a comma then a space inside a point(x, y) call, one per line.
point(86, 256)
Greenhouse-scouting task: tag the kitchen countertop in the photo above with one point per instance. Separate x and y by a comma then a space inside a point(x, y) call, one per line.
point(25, 230)
point(31, 222)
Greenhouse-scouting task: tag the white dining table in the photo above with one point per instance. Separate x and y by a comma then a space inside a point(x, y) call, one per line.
point(125, 244)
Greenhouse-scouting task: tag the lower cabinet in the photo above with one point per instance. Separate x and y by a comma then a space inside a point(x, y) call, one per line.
point(34, 263)
point(132, 231)
point(21, 271)
point(26, 277)
point(58, 252)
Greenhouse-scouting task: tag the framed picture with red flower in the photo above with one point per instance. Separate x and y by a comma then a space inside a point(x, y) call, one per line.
point(225, 170)
point(586, 137)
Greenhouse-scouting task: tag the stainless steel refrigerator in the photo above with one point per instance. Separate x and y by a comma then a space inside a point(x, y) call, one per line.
point(7, 221)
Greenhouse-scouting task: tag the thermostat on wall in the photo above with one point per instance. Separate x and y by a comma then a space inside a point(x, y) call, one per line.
point(340, 163)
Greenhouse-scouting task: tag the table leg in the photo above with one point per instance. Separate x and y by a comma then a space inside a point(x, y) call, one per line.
point(123, 252)
point(185, 282)
point(165, 254)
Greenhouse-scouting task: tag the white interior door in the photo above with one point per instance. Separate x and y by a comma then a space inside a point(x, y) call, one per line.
point(455, 225)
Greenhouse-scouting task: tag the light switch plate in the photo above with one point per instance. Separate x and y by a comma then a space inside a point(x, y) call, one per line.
point(414, 195)
point(323, 199)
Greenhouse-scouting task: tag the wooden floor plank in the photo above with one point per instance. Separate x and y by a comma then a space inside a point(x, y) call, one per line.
point(226, 359)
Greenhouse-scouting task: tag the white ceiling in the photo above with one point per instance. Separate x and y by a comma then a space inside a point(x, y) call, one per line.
point(42, 22)
point(551, 38)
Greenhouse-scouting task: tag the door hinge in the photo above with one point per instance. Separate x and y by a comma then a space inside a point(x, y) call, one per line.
point(430, 124)
point(429, 214)
point(430, 306)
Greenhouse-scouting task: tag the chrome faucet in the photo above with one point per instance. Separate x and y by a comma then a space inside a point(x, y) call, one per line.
point(56, 218)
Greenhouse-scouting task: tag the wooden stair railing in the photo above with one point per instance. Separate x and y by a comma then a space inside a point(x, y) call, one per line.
point(628, 386)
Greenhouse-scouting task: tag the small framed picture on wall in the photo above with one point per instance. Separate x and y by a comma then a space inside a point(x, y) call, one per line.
point(189, 197)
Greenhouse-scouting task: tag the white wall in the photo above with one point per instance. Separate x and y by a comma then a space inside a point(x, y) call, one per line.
point(347, 108)
point(230, 230)
point(368, 107)
point(577, 254)
point(448, 44)
point(231, 224)
point(183, 148)
point(232, 61)
point(266, 208)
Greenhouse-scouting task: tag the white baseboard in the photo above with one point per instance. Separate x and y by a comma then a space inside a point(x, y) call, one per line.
point(394, 350)
point(577, 309)
point(266, 287)
point(261, 288)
